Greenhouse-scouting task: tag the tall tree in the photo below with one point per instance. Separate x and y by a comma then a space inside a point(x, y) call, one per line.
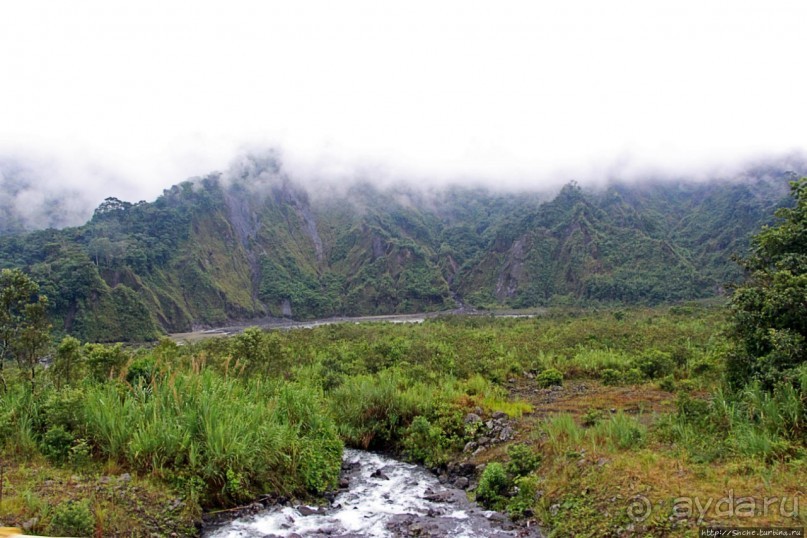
point(24, 327)
point(770, 309)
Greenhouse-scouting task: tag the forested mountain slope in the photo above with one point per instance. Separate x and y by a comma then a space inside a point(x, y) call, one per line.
point(257, 243)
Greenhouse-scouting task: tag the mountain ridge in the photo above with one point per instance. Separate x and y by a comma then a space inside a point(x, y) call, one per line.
point(254, 243)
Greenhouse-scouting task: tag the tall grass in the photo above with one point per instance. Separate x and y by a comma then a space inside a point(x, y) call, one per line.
point(373, 410)
point(563, 433)
point(237, 437)
point(752, 422)
point(18, 412)
point(617, 432)
point(588, 362)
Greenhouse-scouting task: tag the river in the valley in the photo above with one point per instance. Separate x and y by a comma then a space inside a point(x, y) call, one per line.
point(385, 498)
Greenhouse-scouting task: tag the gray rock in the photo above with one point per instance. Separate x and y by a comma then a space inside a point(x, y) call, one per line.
point(30, 524)
point(467, 469)
point(379, 473)
point(500, 415)
point(472, 418)
point(470, 446)
point(446, 496)
point(308, 511)
point(462, 482)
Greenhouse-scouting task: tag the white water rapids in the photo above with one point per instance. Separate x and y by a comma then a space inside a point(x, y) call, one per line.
point(394, 503)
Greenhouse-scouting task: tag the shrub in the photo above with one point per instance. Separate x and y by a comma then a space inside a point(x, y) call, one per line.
point(72, 519)
point(692, 410)
point(79, 454)
point(493, 486)
point(609, 376)
point(667, 383)
point(592, 417)
point(523, 501)
point(632, 376)
point(67, 362)
point(549, 377)
point(425, 442)
point(56, 444)
point(686, 385)
point(655, 364)
point(523, 460)
point(62, 408)
point(105, 361)
point(142, 369)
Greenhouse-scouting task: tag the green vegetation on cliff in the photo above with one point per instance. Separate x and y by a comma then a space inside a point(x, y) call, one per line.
point(253, 243)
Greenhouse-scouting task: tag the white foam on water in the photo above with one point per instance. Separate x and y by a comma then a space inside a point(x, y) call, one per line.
point(364, 509)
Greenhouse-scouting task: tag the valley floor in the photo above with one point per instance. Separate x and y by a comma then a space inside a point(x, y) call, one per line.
point(588, 423)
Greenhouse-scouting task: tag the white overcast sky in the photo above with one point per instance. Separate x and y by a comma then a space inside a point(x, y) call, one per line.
point(131, 97)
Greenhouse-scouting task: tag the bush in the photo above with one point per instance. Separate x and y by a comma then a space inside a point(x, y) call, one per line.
point(79, 454)
point(692, 410)
point(493, 486)
point(592, 417)
point(425, 442)
point(549, 377)
point(523, 460)
point(68, 362)
point(667, 383)
point(62, 408)
point(609, 376)
point(105, 362)
point(72, 519)
point(686, 385)
point(655, 364)
point(56, 444)
point(142, 369)
point(522, 503)
point(633, 376)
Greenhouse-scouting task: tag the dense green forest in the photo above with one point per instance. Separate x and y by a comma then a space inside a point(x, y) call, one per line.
point(254, 243)
point(627, 421)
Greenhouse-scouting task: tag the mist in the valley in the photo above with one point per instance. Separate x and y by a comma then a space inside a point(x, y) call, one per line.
point(99, 102)
point(44, 193)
